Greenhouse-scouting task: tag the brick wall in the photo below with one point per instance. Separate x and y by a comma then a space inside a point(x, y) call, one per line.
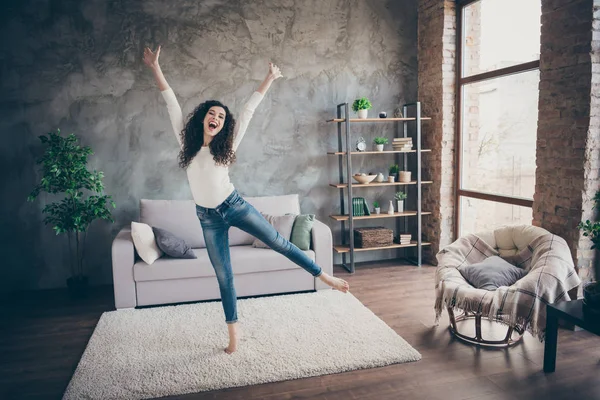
point(568, 122)
point(436, 91)
point(568, 135)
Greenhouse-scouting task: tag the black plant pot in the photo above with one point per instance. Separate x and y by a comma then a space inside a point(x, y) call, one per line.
point(591, 295)
point(78, 286)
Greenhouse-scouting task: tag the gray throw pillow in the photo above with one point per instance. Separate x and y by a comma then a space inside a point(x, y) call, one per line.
point(282, 224)
point(492, 273)
point(172, 245)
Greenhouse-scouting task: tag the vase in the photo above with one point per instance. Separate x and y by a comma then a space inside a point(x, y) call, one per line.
point(362, 114)
point(379, 177)
point(379, 147)
point(391, 208)
point(391, 178)
point(404, 176)
point(400, 205)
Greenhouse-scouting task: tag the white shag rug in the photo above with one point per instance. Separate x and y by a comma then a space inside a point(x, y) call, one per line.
point(161, 351)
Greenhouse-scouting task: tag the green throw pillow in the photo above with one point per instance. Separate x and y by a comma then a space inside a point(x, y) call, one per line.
point(301, 231)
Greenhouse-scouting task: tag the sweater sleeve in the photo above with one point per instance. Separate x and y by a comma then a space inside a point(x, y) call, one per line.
point(245, 117)
point(175, 113)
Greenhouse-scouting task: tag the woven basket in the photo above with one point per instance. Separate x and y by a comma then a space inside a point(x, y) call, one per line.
point(377, 236)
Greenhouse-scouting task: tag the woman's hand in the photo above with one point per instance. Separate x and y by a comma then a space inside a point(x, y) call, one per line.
point(151, 58)
point(274, 71)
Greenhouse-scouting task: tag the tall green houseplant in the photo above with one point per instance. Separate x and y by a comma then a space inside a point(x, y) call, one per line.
point(591, 291)
point(64, 171)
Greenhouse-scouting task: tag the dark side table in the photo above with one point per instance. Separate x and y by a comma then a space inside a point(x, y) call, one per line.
point(570, 311)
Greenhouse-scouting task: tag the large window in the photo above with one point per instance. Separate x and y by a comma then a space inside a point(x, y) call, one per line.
point(497, 102)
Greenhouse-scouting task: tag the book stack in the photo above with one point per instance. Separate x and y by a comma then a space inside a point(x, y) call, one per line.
point(404, 238)
point(402, 144)
point(359, 207)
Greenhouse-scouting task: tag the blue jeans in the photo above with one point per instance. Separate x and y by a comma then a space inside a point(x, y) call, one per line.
point(235, 211)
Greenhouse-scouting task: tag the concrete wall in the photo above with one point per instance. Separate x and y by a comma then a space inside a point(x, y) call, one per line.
point(76, 65)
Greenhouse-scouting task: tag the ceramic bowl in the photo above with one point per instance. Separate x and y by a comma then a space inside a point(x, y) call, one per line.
point(364, 178)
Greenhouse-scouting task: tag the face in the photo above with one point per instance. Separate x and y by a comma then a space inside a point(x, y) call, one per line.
point(214, 120)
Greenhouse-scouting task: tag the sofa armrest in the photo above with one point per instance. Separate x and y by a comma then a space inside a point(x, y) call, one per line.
point(322, 242)
point(123, 259)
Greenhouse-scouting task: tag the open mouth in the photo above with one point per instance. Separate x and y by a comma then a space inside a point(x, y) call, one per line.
point(212, 125)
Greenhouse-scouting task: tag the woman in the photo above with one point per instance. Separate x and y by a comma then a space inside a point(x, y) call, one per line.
point(208, 141)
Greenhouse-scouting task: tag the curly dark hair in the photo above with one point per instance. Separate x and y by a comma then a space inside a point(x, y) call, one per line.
point(192, 136)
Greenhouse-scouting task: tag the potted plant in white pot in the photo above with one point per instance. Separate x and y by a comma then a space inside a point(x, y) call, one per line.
point(591, 290)
point(394, 168)
point(380, 142)
point(400, 196)
point(361, 106)
point(64, 171)
point(376, 207)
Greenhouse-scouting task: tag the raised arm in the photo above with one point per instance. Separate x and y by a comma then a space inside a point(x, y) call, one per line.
point(248, 110)
point(173, 107)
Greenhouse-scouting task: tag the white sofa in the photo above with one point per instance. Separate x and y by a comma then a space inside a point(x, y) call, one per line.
point(257, 271)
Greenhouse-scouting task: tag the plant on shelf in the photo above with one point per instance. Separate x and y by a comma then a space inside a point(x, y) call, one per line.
point(64, 171)
point(361, 106)
point(376, 207)
point(380, 142)
point(394, 168)
point(400, 196)
point(591, 290)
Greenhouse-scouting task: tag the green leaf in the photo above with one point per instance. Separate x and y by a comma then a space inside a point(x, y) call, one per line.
point(64, 171)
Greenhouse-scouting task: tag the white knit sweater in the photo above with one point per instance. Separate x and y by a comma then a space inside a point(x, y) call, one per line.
point(209, 182)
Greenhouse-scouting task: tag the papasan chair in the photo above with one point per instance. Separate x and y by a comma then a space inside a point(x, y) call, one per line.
point(548, 271)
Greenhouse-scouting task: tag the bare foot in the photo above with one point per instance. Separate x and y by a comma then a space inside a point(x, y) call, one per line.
point(233, 337)
point(336, 283)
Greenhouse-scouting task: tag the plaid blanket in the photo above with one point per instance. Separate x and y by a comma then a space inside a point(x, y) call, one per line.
point(551, 274)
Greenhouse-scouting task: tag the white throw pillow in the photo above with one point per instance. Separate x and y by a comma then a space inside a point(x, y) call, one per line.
point(145, 243)
point(282, 224)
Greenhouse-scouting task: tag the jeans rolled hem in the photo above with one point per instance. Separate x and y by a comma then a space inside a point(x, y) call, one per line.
point(231, 322)
point(319, 273)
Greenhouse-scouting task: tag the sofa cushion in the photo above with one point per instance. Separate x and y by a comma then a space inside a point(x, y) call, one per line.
point(145, 243)
point(282, 224)
point(244, 260)
point(172, 245)
point(272, 205)
point(301, 232)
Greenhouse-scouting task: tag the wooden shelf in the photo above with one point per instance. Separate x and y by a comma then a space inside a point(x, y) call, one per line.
point(346, 249)
point(377, 119)
point(343, 153)
point(382, 215)
point(357, 185)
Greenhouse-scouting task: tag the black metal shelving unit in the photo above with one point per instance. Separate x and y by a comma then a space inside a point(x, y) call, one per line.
point(401, 158)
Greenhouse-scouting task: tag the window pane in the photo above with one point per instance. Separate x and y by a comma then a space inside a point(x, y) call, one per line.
point(499, 129)
point(500, 33)
point(478, 215)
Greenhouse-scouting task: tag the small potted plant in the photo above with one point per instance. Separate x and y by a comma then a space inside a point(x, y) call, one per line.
point(361, 106)
point(400, 196)
point(393, 172)
point(380, 142)
point(376, 207)
point(591, 290)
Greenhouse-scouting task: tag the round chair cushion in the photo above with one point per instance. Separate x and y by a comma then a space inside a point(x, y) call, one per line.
point(509, 240)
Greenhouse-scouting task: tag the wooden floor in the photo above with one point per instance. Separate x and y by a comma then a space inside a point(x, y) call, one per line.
point(43, 336)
